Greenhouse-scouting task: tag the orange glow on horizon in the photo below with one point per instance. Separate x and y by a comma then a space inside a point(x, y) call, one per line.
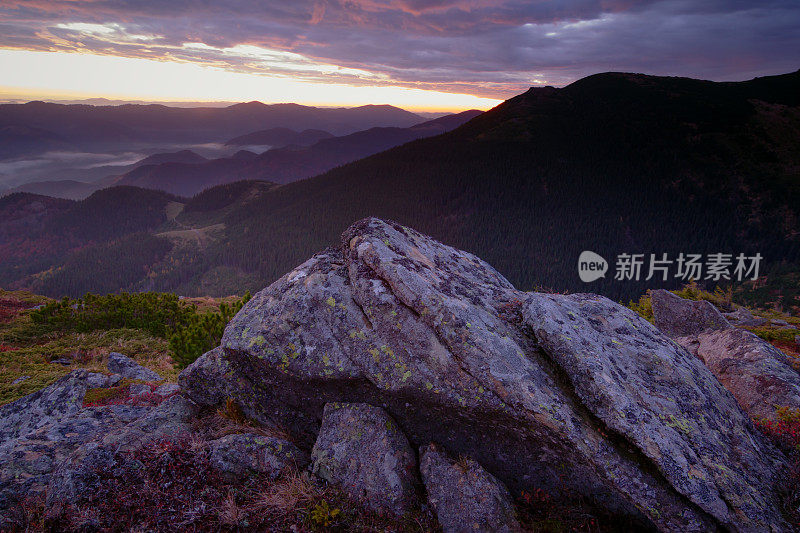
point(32, 75)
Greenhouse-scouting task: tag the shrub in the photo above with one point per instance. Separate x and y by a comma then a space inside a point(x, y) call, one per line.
point(154, 312)
point(202, 333)
point(644, 307)
point(190, 333)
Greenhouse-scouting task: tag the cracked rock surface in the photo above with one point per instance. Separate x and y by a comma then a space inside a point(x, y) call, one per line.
point(544, 391)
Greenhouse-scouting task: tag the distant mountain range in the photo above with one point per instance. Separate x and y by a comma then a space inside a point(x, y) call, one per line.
point(287, 164)
point(292, 155)
point(614, 163)
point(100, 177)
point(35, 126)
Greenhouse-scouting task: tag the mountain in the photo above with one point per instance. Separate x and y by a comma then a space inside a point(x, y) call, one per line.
point(615, 163)
point(279, 137)
point(96, 127)
point(291, 163)
point(94, 179)
point(98, 243)
point(181, 156)
point(20, 140)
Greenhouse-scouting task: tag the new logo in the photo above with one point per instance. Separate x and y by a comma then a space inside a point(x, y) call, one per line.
point(591, 266)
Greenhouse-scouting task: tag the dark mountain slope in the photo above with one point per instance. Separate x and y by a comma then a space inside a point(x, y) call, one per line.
point(283, 165)
point(112, 212)
point(614, 163)
point(38, 233)
point(278, 137)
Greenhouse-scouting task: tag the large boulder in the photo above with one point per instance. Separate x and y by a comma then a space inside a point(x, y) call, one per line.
point(678, 317)
point(758, 375)
point(361, 449)
point(464, 495)
point(572, 394)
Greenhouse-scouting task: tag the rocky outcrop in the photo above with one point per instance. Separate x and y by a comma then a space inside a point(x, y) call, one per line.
point(49, 441)
point(167, 389)
point(243, 454)
point(742, 317)
point(361, 449)
point(677, 317)
point(573, 394)
point(29, 461)
point(57, 401)
point(73, 477)
point(757, 373)
point(128, 368)
point(464, 495)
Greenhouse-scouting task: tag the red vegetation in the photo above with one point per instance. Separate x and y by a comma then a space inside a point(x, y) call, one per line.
point(121, 395)
point(10, 308)
point(785, 433)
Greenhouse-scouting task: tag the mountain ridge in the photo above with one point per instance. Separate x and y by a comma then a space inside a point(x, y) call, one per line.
point(662, 165)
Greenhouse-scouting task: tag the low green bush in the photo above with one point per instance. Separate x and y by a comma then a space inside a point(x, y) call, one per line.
point(190, 332)
point(202, 333)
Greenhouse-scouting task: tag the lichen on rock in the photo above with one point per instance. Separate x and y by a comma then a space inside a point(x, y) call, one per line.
point(599, 403)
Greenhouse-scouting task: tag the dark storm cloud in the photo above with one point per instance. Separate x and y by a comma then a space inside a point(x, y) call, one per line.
point(485, 47)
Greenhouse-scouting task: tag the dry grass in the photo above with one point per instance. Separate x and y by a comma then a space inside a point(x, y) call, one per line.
point(230, 513)
point(215, 424)
point(288, 493)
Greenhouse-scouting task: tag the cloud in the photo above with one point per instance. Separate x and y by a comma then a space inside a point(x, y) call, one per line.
point(490, 48)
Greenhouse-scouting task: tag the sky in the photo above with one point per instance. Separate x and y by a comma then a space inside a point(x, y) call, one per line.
point(416, 54)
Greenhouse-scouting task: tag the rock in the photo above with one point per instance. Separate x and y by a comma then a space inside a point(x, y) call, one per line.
point(72, 479)
point(167, 389)
point(778, 322)
point(677, 317)
point(601, 405)
point(29, 461)
point(361, 449)
point(755, 372)
point(20, 380)
point(128, 368)
point(61, 361)
point(464, 495)
point(136, 389)
point(210, 381)
point(744, 318)
point(797, 339)
point(43, 407)
point(171, 419)
point(114, 379)
point(95, 380)
point(244, 454)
